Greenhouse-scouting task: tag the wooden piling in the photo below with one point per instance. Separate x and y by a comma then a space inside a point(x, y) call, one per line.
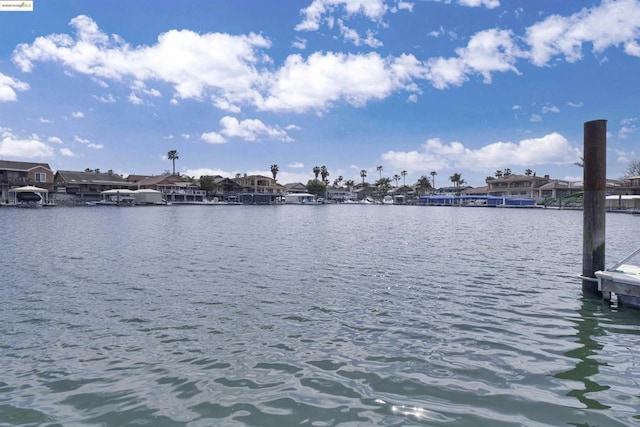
point(595, 185)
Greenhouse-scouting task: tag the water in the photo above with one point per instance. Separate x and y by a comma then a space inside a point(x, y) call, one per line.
point(310, 315)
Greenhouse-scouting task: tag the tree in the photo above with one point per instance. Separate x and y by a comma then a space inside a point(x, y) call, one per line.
point(396, 178)
point(238, 175)
point(316, 171)
point(383, 185)
point(173, 156)
point(404, 174)
point(423, 184)
point(363, 174)
point(433, 178)
point(633, 169)
point(208, 183)
point(379, 169)
point(338, 181)
point(274, 171)
point(324, 173)
point(506, 172)
point(498, 174)
point(350, 184)
point(528, 172)
point(457, 180)
point(317, 187)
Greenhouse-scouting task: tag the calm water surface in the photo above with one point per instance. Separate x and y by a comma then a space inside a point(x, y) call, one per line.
point(310, 315)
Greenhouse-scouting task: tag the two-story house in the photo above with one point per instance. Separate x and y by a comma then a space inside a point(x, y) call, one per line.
point(20, 174)
point(175, 188)
point(516, 185)
point(87, 185)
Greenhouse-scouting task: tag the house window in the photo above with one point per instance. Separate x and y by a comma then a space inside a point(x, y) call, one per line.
point(41, 177)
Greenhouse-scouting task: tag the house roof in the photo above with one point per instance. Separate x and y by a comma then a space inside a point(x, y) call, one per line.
point(77, 177)
point(162, 179)
point(23, 166)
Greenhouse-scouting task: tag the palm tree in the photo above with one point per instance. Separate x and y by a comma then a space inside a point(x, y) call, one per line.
point(379, 169)
point(506, 172)
point(498, 174)
point(383, 185)
point(396, 178)
point(404, 174)
point(173, 156)
point(324, 173)
point(274, 171)
point(316, 171)
point(433, 178)
point(349, 183)
point(363, 174)
point(423, 184)
point(457, 180)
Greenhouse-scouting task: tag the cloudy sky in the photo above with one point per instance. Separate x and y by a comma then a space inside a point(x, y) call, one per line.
point(452, 86)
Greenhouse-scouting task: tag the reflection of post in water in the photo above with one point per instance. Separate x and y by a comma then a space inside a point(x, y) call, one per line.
point(586, 367)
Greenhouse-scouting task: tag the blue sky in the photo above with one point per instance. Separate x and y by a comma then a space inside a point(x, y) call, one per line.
point(451, 86)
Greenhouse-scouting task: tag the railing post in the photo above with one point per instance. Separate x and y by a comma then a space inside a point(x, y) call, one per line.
point(595, 186)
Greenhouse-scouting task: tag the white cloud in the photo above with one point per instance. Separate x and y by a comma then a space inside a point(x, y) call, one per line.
point(535, 118)
point(109, 99)
point(487, 52)
point(628, 127)
point(489, 4)
point(296, 165)
point(30, 148)
point(436, 155)
point(54, 139)
point(77, 114)
point(80, 140)
point(67, 152)
point(251, 129)
point(612, 23)
point(96, 146)
point(351, 35)
point(575, 104)
point(43, 120)
point(550, 109)
point(195, 64)
point(213, 138)
point(134, 99)
point(326, 78)
point(8, 87)
point(373, 10)
point(299, 43)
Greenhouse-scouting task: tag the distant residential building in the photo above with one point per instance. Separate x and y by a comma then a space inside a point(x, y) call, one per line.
point(339, 194)
point(628, 186)
point(88, 184)
point(295, 187)
point(516, 185)
point(20, 174)
point(556, 189)
point(260, 184)
point(175, 188)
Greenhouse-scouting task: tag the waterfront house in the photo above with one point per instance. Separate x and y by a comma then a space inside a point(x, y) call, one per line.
point(338, 194)
point(295, 187)
point(20, 174)
point(259, 189)
point(88, 185)
point(175, 188)
point(516, 185)
point(628, 186)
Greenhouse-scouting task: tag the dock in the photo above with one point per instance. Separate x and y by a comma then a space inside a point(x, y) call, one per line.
point(623, 280)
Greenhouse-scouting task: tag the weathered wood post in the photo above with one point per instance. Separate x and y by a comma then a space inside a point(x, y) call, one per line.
point(595, 185)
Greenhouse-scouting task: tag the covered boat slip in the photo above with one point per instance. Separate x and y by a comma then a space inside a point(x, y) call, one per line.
point(126, 197)
point(29, 196)
point(623, 280)
point(301, 199)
